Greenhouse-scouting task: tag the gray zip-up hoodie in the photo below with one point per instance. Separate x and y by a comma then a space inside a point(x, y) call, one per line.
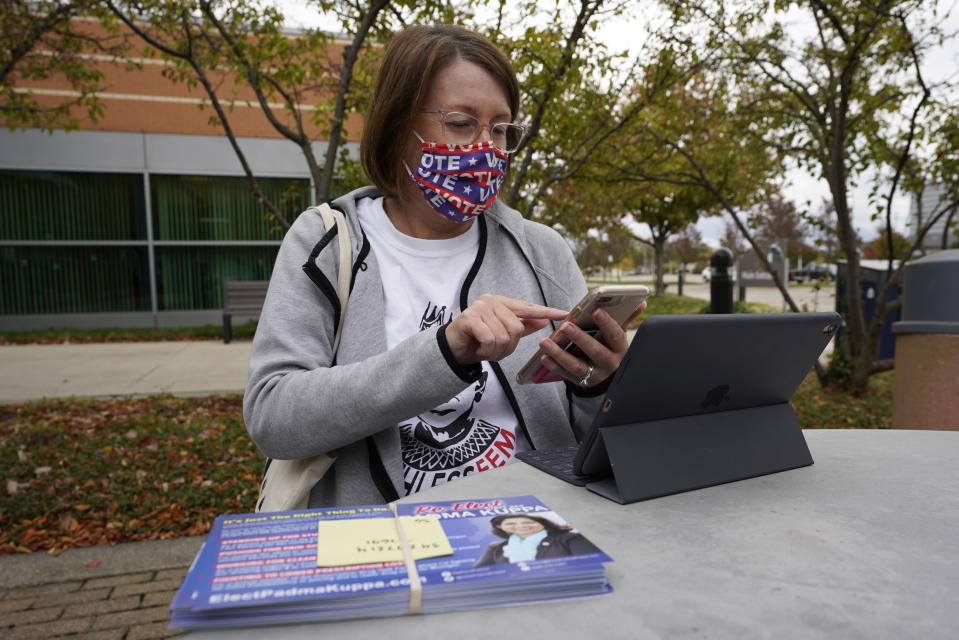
point(299, 405)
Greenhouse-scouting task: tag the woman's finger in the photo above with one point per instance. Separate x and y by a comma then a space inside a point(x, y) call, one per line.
point(531, 311)
point(563, 363)
point(612, 334)
point(603, 353)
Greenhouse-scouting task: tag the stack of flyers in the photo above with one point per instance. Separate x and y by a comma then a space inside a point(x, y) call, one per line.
point(348, 562)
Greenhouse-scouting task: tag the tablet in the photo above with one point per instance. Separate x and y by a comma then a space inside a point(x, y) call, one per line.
point(690, 365)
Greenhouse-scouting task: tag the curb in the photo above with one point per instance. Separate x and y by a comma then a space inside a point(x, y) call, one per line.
point(38, 568)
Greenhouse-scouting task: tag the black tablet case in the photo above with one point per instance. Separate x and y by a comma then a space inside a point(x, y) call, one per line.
point(703, 400)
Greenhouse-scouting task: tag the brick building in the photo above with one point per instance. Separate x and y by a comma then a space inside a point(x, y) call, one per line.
point(137, 219)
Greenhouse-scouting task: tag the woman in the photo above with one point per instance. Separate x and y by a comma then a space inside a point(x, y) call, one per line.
point(447, 281)
point(527, 538)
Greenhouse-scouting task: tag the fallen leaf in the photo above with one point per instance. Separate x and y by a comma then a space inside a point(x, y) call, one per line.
point(13, 486)
point(93, 563)
point(42, 470)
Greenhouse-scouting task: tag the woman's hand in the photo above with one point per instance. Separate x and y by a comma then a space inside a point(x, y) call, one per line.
point(491, 327)
point(600, 359)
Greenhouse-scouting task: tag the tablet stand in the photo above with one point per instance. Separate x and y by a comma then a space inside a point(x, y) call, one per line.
point(660, 457)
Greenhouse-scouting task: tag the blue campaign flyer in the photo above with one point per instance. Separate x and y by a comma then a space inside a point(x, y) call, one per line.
point(270, 559)
point(516, 536)
point(264, 566)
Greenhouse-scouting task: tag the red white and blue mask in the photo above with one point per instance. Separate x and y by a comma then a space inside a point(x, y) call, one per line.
point(460, 181)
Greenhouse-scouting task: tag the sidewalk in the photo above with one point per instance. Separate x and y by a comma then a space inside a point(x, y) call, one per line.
point(191, 368)
point(119, 592)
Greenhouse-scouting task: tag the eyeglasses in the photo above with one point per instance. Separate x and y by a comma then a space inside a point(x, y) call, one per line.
point(462, 128)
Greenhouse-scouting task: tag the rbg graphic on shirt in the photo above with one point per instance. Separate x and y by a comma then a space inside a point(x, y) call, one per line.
point(465, 435)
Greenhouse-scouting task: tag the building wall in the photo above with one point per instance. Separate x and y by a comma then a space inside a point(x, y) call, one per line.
point(138, 218)
point(156, 224)
point(137, 97)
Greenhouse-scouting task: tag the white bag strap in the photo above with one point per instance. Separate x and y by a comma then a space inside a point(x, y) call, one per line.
point(332, 217)
point(287, 483)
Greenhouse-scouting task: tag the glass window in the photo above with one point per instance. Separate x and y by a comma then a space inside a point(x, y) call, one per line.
point(222, 208)
point(36, 280)
point(48, 205)
point(192, 277)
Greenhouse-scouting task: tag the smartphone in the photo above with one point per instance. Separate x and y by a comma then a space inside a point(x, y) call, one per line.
point(619, 301)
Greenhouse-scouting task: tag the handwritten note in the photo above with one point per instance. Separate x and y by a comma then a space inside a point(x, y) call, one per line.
point(364, 540)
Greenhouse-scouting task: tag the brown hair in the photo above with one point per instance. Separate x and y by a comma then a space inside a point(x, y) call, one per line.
point(411, 60)
point(551, 527)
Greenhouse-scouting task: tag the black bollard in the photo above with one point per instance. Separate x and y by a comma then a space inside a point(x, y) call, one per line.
point(679, 287)
point(721, 281)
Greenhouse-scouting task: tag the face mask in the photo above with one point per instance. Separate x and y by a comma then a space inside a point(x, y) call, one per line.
point(460, 181)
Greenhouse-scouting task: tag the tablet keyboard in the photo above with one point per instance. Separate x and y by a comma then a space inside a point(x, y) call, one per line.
point(557, 462)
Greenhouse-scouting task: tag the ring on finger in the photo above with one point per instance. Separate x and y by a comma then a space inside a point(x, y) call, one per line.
point(584, 381)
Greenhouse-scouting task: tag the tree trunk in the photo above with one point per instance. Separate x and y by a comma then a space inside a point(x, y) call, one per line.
point(862, 365)
point(659, 249)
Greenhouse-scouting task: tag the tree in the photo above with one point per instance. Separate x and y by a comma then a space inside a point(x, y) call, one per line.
point(687, 246)
point(778, 222)
point(733, 240)
point(577, 94)
point(606, 249)
point(824, 231)
point(687, 158)
point(41, 40)
point(878, 249)
point(597, 203)
point(847, 99)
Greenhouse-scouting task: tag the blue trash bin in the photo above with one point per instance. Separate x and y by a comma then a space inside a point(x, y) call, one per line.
point(872, 275)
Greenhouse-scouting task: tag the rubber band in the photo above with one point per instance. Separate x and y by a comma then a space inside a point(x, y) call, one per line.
point(416, 589)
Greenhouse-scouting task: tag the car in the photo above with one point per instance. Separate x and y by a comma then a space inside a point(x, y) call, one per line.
point(797, 275)
point(820, 272)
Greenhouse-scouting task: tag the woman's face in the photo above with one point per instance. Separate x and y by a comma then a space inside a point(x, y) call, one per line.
point(521, 526)
point(460, 86)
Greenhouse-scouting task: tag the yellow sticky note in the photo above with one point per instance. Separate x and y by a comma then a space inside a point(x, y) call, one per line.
point(364, 540)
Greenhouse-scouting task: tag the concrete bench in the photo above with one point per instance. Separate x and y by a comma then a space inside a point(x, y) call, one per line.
point(241, 298)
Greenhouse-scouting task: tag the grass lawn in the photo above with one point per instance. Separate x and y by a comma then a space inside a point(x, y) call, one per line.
point(80, 472)
point(671, 304)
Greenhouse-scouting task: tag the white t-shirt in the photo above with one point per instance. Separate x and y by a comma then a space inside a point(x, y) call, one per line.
point(476, 430)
